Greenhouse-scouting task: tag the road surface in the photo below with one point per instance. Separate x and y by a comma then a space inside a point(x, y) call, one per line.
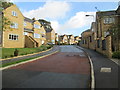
point(69, 68)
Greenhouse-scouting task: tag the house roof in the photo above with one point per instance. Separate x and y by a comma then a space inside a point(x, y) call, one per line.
point(118, 10)
point(106, 13)
point(48, 29)
point(28, 30)
point(28, 20)
point(42, 20)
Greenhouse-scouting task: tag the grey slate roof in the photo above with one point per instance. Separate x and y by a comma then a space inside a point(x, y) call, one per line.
point(28, 20)
point(28, 30)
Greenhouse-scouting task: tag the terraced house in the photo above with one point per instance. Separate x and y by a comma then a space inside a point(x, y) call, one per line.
point(13, 35)
point(63, 39)
point(70, 39)
point(23, 31)
point(104, 22)
point(56, 38)
point(50, 33)
point(85, 39)
point(104, 34)
point(77, 39)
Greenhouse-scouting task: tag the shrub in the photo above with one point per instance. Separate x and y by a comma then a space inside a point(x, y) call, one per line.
point(16, 52)
point(6, 56)
point(116, 54)
point(11, 55)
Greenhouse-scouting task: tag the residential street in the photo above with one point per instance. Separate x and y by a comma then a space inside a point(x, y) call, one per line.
point(69, 68)
point(104, 79)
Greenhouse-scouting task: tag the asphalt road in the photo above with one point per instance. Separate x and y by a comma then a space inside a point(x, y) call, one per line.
point(68, 68)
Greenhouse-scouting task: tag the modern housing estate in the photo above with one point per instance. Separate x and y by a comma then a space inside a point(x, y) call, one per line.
point(103, 36)
point(23, 31)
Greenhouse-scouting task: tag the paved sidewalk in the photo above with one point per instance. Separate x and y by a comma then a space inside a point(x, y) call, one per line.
point(55, 48)
point(103, 79)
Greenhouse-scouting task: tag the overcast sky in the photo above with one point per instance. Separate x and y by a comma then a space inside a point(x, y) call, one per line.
point(65, 17)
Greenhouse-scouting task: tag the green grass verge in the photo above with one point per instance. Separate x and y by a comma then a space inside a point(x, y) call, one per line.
point(9, 52)
point(15, 62)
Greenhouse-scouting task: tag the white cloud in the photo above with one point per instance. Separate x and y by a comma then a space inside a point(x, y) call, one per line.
point(75, 23)
point(51, 10)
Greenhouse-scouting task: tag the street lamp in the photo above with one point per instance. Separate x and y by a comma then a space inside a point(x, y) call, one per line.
point(90, 15)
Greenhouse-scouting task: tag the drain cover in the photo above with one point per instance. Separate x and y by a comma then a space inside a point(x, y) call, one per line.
point(104, 69)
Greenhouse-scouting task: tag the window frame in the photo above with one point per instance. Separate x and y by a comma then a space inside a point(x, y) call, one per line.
point(13, 37)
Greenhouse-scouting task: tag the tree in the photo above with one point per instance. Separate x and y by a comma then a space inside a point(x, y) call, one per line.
point(5, 20)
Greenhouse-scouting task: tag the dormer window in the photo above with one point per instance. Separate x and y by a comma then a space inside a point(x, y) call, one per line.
point(14, 13)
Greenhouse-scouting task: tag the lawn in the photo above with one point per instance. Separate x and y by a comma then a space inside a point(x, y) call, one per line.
point(9, 52)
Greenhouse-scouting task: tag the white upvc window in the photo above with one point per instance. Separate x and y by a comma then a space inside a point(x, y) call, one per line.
point(25, 33)
point(14, 25)
point(25, 24)
point(36, 35)
point(109, 20)
point(13, 37)
point(14, 13)
point(36, 26)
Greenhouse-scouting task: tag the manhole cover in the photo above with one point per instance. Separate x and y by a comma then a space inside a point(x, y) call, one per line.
point(104, 69)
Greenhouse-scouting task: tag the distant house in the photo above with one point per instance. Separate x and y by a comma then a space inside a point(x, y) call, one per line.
point(56, 38)
point(63, 39)
point(70, 39)
point(85, 39)
point(77, 39)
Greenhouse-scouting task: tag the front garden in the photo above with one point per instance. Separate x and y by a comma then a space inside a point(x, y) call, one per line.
point(12, 52)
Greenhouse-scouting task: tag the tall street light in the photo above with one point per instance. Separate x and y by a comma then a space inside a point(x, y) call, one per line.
point(90, 15)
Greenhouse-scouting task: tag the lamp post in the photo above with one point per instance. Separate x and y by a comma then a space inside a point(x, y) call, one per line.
point(90, 15)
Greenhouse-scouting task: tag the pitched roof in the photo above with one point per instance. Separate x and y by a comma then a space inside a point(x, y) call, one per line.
point(28, 20)
point(106, 13)
point(28, 30)
point(118, 10)
point(48, 30)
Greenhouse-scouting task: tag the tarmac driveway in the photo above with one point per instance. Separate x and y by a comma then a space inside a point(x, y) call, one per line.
point(68, 68)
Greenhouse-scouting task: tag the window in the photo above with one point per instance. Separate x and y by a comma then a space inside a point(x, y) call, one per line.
point(25, 24)
point(36, 35)
point(25, 33)
point(108, 20)
point(36, 26)
point(14, 25)
point(13, 37)
point(14, 13)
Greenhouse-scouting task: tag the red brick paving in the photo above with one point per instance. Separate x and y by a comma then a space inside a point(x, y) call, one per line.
point(60, 63)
